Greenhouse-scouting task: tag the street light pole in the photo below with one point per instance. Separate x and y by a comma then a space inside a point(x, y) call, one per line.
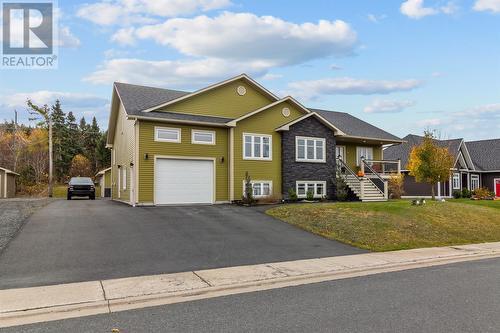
point(51, 163)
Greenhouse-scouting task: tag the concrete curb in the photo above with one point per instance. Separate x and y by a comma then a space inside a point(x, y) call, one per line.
point(47, 303)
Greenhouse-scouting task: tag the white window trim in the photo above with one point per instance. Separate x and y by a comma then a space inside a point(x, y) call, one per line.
point(358, 148)
point(178, 130)
point(305, 159)
point(113, 155)
point(270, 182)
point(194, 132)
point(472, 179)
point(315, 183)
point(458, 176)
point(270, 158)
point(124, 180)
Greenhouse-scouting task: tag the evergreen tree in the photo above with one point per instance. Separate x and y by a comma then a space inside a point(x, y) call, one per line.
point(91, 142)
point(74, 145)
point(103, 154)
point(59, 135)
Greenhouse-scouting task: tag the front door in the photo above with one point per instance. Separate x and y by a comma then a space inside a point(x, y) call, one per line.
point(497, 187)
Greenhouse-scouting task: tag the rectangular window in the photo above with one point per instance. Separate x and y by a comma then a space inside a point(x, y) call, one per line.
point(257, 147)
point(260, 188)
point(124, 181)
point(474, 182)
point(456, 181)
point(165, 134)
point(318, 188)
point(365, 153)
point(309, 149)
point(340, 152)
point(203, 137)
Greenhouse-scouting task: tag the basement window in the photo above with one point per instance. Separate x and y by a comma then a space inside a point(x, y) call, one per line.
point(317, 187)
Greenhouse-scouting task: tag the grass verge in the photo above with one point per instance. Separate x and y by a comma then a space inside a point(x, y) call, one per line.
point(397, 225)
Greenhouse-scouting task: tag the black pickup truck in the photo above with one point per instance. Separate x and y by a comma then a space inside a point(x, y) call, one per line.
point(81, 187)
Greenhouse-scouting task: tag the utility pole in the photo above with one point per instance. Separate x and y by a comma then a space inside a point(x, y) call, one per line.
point(15, 141)
point(51, 162)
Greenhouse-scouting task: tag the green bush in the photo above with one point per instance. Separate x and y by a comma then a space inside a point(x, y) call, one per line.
point(457, 194)
point(248, 198)
point(466, 193)
point(292, 195)
point(341, 191)
point(310, 195)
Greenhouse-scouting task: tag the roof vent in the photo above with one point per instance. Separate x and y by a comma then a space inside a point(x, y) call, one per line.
point(285, 112)
point(241, 90)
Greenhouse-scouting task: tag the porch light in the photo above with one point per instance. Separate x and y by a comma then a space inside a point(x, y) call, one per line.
point(146, 156)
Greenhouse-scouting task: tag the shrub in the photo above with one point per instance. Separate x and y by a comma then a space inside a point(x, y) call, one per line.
point(341, 191)
point(396, 189)
point(457, 194)
point(27, 176)
point(310, 195)
point(482, 193)
point(248, 198)
point(466, 193)
point(292, 195)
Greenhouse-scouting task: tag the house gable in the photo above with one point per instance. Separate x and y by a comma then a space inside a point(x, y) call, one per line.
point(231, 100)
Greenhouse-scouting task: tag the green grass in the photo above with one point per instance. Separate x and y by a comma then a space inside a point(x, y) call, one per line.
point(484, 203)
point(396, 225)
point(60, 191)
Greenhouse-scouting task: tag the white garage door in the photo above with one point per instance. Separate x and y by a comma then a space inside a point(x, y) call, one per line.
point(184, 181)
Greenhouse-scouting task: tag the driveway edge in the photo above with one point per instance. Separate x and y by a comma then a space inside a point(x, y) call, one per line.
point(154, 290)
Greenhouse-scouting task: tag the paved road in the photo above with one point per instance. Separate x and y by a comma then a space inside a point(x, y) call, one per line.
point(454, 298)
point(81, 240)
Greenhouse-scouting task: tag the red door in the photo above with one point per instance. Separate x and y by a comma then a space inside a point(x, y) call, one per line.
point(497, 187)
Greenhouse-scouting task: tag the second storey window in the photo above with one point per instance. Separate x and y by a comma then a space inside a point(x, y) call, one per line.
point(257, 147)
point(309, 149)
point(203, 137)
point(166, 134)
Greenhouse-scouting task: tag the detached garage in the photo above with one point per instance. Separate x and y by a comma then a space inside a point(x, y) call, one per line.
point(184, 181)
point(7, 183)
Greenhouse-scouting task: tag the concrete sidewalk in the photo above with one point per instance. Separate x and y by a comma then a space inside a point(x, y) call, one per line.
point(37, 304)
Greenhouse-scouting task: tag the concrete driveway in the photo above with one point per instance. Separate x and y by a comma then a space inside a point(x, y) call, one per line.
point(80, 240)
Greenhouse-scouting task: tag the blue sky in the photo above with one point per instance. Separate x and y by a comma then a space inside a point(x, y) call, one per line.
point(404, 66)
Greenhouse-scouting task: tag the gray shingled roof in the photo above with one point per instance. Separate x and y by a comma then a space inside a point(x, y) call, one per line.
point(485, 154)
point(353, 126)
point(403, 150)
point(136, 98)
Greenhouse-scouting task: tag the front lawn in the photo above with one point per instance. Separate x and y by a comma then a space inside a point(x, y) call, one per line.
point(396, 225)
point(484, 203)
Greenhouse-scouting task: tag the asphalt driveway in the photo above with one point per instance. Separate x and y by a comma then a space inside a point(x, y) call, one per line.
point(80, 240)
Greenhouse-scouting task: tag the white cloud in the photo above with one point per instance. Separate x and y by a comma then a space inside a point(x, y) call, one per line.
point(376, 18)
point(247, 37)
point(67, 39)
point(430, 122)
point(270, 76)
point(482, 111)
point(387, 106)
point(487, 5)
point(124, 36)
point(335, 67)
point(415, 9)
point(179, 73)
point(349, 86)
point(41, 97)
point(126, 12)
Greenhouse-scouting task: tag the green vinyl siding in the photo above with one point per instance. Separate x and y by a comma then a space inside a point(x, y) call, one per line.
point(222, 101)
point(107, 179)
point(351, 152)
point(123, 147)
point(147, 145)
point(264, 122)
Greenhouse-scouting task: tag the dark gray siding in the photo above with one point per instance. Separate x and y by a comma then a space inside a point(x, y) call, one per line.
point(487, 180)
point(293, 171)
point(412, 188)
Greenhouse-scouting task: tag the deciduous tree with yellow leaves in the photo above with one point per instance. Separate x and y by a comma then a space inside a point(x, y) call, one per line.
point(430, 163)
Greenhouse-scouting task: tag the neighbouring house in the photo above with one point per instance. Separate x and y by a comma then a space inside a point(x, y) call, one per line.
point(103, 177)
point(177, 147)
point(477, 164)
point(7, 183)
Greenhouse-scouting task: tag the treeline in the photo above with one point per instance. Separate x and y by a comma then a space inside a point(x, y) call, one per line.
point(78, 148)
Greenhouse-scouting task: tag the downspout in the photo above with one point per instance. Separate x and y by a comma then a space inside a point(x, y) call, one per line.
point(231, 164)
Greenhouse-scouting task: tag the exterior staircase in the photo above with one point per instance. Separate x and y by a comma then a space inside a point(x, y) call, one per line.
point(370, 191)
